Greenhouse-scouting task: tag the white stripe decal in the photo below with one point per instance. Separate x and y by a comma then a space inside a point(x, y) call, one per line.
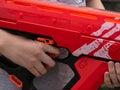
point(117, 38)
point(104, 51)
point(86, 49)
point(112, 31)
point(105, 26)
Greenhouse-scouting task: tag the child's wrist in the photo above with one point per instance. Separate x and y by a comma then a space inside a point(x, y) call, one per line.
point(3, 39)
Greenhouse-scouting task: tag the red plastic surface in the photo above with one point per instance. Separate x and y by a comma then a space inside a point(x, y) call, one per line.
point(82, 30)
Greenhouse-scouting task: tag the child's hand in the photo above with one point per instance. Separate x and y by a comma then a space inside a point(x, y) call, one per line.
point(27, 53)
point(112, 77)
point(95, 4)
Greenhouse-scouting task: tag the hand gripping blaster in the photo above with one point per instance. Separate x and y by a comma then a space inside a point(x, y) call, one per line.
point(91, 36)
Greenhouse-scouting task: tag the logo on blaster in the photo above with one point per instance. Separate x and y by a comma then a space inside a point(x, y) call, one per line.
point(79, 1)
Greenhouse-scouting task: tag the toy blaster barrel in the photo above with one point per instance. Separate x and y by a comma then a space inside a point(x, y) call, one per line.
point(91, 36)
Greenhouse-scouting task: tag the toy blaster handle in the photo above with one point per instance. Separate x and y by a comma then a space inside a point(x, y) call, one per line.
point(21, 77)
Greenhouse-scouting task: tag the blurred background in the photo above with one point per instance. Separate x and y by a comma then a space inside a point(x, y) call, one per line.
point(113, 5)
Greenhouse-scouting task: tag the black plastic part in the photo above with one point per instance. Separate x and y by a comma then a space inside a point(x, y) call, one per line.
point(21, 73)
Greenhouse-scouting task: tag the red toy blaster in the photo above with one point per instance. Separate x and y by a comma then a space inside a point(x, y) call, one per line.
point(90, 36)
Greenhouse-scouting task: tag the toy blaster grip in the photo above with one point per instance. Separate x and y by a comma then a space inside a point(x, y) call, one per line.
point(21, 77)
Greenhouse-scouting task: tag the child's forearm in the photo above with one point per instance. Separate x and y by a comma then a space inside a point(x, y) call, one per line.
point(95, 4)
point(2, 35)
point(0, 41)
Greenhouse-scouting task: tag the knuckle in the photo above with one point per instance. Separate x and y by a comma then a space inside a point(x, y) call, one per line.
point(44, 72)
point(37, 52)
point(116, 85)
point(52, 64)
point(107, 81)
point(118, 73)
point(40, 45)
point(112, 72)
point(33, 61)
point(114, 79)
point(37, 75)
point(29, 66)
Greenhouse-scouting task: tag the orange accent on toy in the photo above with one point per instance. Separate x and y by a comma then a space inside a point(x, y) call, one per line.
point(46, 40)
point(48, 8)
point(112, 20)
point(84, 15)
point(16, 81)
